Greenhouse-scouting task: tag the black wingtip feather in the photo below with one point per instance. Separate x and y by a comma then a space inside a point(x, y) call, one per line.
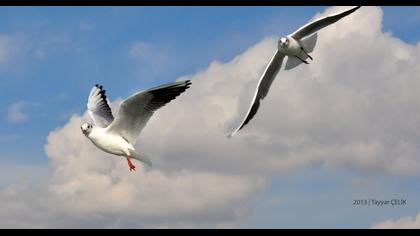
point(102, 93)
point(168, 93)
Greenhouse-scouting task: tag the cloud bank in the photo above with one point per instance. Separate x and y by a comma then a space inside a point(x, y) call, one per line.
point(355, 107)
point(86, 181)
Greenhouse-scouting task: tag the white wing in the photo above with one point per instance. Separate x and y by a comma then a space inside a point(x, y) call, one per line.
point(263, 87)
point(320, 23)
point(98, 107)
point(137, 109)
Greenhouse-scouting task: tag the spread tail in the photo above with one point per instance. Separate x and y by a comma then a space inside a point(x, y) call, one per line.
point(308, 45)
point(309, 42)
point(142, 157)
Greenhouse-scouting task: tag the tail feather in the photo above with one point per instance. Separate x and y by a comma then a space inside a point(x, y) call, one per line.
point(309, 42)
point(292, 62)
point(142, 157)
point(308, 45)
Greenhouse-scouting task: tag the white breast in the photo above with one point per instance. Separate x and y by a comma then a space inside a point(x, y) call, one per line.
point(110, 143)
point(292, 49)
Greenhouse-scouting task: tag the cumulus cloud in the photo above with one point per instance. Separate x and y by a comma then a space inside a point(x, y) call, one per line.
point(88, 182)
point(354, 107)
point(403, 223)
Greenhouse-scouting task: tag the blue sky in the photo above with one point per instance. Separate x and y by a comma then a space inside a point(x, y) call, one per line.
point(88, 45)
point(56, 54)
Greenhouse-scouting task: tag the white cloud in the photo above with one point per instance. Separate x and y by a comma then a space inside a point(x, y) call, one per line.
point(87, 182)
point(16, 113)
point(403, 223)
point(354, 107)
point(24, 207)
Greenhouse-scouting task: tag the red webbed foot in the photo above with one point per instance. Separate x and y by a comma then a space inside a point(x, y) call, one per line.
point(130, 164)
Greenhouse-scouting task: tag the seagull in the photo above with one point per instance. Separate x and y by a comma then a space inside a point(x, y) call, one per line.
point(117, 136)
point(296, 47)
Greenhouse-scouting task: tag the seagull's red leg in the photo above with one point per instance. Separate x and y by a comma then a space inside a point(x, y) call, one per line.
point(130, 164)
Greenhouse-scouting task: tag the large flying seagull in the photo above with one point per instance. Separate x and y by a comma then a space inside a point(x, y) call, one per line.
point(296, 47)
point(117, 136)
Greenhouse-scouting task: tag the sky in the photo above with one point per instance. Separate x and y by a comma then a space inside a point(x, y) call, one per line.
point(343, 128)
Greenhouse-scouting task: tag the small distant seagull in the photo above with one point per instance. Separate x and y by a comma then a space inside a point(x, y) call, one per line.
point(117, 136)
point(296, 47)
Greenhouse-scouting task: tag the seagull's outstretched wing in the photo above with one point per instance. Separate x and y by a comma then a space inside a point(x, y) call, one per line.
point(262, 89)
point(137, 109)
point(98, 107)
point(320, 23)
